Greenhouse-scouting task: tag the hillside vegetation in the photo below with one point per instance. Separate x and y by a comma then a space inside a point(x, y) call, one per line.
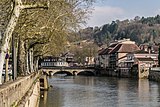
point(140, 29)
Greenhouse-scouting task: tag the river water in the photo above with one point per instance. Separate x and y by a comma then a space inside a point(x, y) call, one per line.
point(81, 91)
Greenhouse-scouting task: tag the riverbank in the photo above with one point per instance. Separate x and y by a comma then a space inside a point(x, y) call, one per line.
point(22, 92)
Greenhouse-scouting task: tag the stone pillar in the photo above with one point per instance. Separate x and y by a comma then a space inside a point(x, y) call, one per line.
point(44, 82)
point(143, 71)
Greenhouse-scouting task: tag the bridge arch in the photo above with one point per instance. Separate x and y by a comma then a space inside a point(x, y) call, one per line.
point(86, 73)
point(69, 71)
point(50, 72)
point(63, 72)
point(75, 73)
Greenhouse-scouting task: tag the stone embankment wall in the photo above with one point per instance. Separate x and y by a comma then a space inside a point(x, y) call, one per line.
point(23, 92)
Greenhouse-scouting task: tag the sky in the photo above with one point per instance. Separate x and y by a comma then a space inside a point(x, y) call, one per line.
point(106, 11)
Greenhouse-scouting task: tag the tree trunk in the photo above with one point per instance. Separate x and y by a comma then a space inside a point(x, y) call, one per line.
point(17, 7)
point(35, 64)
point(159, 56)
point(21, 58)
point(31, 59)
point(26, 61)
point(8, 34)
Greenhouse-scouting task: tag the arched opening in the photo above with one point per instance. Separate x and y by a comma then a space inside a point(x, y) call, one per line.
point(74, 73)
point(86, 73)
point(45, 72)
point(50, 73)
point(62, 73)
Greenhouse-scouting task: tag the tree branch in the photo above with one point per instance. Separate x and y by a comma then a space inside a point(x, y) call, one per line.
point(37, 5)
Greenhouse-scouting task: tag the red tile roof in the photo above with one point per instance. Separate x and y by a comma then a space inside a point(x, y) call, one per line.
point(140, 52)
point(125, 48)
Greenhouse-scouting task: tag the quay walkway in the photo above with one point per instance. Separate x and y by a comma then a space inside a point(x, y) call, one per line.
point(23, 92)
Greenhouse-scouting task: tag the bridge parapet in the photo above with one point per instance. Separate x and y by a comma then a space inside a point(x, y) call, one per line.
point(71, 70)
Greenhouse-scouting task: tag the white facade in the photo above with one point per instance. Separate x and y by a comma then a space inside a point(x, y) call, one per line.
point(58, 63)
point(89, 60)
point(132, 56)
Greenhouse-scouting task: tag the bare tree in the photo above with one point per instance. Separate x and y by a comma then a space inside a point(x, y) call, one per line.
point(46, 30)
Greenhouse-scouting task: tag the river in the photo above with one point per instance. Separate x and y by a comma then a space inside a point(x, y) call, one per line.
point(81, 91)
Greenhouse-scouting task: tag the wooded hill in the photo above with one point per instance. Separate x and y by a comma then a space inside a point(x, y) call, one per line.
point(140, 29)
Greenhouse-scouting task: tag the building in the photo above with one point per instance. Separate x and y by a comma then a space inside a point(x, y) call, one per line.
point(68, 57)
point(113, 57)
point(149, 48)
point(118, 56)
point(101, 59)
point(138, 60)
point(89, 61)
point(50, 61)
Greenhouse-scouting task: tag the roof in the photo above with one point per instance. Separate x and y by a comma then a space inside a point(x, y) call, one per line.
point(153, 48)
point(102, 51)
point(145, 59)
point(121, 57)
point(113, 45)
point(125, 48)
point(116, 48)
point(140, 52)
point(107, 51)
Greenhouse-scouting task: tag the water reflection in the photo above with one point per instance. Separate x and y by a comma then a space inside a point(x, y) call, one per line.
point(43, 98)
point(143, 90)
point(101, 92)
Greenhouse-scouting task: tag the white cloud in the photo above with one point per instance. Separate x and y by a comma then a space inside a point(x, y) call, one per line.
point(106, 14)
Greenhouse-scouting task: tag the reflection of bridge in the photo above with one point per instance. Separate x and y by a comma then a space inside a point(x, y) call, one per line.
point(69, 70)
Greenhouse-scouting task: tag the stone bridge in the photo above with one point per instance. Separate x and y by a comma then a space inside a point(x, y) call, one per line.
point(69, 70)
